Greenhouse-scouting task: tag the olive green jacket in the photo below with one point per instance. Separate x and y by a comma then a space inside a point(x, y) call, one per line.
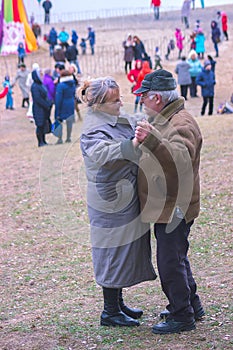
point(169, 167)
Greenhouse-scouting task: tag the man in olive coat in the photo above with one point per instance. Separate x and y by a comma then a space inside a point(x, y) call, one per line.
point(169, 192)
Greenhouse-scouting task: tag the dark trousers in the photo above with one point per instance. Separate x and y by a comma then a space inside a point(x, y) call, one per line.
point(128, 64)
point(206, 100)
point(174, 269)
point(225, 34)
point(46, 18)
point(216, 49)
point(186, 21)
point(168, 53)
point(156, 12)
point(184, 91)
point(193, 87)
point(40, 135)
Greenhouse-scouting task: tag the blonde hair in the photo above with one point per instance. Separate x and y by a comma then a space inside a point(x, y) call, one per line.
point(191, 53)
point(94, 92)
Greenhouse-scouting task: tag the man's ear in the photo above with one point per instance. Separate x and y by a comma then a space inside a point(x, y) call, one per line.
point(158, 98)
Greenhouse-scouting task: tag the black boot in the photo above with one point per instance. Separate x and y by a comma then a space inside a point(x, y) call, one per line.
point(112, 314)
point(23, 103)
point(39, 135)
point(69, 124)
point(134, 313)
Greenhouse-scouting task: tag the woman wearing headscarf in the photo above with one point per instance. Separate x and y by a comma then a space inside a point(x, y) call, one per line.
point(41, 106)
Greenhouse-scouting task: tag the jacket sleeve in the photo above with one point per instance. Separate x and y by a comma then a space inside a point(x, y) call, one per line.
point(178, 147)
point(200, 80)
point(4, 92)
point(100, 149)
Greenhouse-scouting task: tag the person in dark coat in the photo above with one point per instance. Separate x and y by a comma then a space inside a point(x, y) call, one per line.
point(215, 36)
point(52, 40)
point(184, 78)
point(206, 79)
point(59, 54)
point(121, 248)
point(185, 12)
point(65, 102)
point(128, 52)
point(41, 106)
point(47, 5)
point(71, 54)
point(139, 49)
point(74, 37)
point(91, 38)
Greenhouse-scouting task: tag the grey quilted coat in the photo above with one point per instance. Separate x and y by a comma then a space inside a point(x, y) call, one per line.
point(120, 241)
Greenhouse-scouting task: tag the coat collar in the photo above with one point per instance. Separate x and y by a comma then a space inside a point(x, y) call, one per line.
point(67, 78)
point(168, 111)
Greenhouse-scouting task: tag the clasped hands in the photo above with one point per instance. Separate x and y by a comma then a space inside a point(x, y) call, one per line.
point(141, 132)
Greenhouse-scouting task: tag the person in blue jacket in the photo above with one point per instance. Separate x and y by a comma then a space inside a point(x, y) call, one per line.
point(200, 43)
point(41, 106)
point(65, 103)
point(206, 79)
point(21, 53)
point(91, 38)
point(74, 37)
point(52, 40)
point(47, 5)
point(9, 98)
point(215, 36)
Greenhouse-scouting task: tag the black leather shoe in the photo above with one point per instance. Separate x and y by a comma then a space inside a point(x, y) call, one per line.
point(198, 314)
point(172, 326)
point(118, 319)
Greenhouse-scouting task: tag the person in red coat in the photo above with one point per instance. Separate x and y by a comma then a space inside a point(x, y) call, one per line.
point(4, 92)
point(133, 78)
point(224, 19)
point(156, 5)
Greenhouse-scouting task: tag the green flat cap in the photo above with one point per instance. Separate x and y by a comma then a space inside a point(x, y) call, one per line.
point(159, 80)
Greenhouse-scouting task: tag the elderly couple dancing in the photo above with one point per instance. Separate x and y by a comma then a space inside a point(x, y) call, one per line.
point(139, 172)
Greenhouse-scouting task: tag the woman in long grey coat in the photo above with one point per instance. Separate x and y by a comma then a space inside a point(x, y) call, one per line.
point(21, 77)
point(120, 241)
point(184, 78)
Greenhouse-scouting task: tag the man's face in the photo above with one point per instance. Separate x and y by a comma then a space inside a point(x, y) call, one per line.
point(151, 102)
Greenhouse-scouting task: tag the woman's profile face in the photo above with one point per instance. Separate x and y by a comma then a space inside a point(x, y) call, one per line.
point(112, 102)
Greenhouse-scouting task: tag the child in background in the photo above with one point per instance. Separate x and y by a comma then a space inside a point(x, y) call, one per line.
point(21, 53)
point(133, 78)
point(83, 46)
point(157, 59)
point(170, 47)
point(179, 41)
point(9, 98)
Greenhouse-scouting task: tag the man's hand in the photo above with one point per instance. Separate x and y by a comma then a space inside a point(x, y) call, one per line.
point(142, 130)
